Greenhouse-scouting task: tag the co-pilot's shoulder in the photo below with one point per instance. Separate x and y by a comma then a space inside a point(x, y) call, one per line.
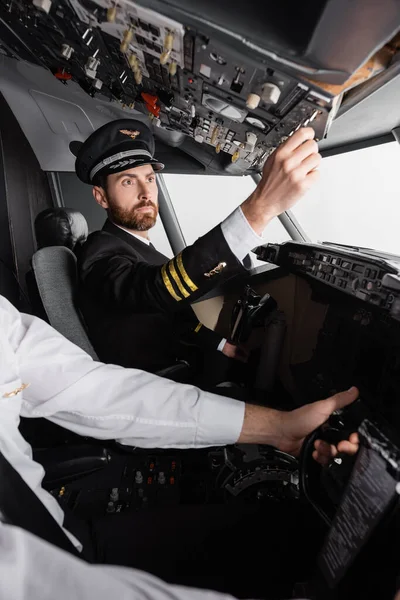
point(7, 311)
point(6, 305)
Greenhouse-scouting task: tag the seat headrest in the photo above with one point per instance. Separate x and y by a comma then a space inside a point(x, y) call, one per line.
point(60, 227)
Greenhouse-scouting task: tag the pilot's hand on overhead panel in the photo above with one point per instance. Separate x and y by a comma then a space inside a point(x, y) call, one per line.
point(287, 175)
point(324, 452)
point(236, 352)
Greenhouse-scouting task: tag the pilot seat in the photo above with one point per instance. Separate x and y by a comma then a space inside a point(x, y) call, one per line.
point(53, 280)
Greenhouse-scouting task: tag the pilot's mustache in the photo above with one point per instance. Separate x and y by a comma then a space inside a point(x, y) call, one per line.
point(146, 203)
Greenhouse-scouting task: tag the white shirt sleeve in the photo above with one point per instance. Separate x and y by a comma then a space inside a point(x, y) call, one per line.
point(239, 235)
point(111, 402)
point(221, 345)
point(32, 569)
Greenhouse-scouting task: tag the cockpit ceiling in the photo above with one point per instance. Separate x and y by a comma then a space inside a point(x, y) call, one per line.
point(225, 83)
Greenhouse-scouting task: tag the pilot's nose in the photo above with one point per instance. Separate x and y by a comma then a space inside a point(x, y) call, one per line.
point(144, 192)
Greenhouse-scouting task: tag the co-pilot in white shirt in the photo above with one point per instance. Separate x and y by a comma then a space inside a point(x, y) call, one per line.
point(44, 375)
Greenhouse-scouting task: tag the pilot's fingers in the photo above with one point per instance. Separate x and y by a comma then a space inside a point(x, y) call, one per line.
point(310, 163)
point(324, 448)
point(354, 438)
point(297, 160)
point(311, 178)
point(346, 447)
point(340, 400)
point(302, 152)
point(323, 452)
point(321, 458)
point(297, 139)
point(242, 357)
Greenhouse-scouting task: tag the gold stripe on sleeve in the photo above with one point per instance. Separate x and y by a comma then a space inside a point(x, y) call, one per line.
point(168, 284)
point(178, 282)
point(185, 276)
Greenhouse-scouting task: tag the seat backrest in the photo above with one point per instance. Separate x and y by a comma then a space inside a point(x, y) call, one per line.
point(61, 227)
point(55, 272)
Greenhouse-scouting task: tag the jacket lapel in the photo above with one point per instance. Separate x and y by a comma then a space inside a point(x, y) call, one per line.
point(148, 253)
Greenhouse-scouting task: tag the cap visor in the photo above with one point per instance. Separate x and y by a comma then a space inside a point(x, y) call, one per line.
point(157, 166)
point(74, 147)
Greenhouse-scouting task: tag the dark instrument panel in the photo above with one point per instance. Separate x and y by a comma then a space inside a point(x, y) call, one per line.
point(372, 279)
point(237, 104)
point(357, 344)
point(138, 480)
point(359, 340)
point(184, 81)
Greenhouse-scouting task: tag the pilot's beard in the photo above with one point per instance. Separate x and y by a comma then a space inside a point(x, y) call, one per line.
point(131, 219)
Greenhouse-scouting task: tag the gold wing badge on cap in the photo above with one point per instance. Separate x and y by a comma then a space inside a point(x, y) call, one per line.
point(216, 270)
point(132, 134)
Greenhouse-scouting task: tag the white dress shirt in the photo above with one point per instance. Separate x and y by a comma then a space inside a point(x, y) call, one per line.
point(239, 234)
point(135, 235)
point(92, 399)
point(69, 388)
point(65, 385)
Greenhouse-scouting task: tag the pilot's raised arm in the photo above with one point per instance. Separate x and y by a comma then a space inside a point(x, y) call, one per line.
point(106, 264)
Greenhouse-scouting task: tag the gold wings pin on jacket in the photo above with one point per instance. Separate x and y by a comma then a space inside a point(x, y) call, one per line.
point(216, 270)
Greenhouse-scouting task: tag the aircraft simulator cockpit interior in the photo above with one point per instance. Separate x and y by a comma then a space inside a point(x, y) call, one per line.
point(221, 85)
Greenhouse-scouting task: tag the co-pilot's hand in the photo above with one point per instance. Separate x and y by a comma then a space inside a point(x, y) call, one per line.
point(293, 426)
point(324, 452)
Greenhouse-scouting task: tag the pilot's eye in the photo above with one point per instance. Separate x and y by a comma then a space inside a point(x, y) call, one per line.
point(151, 179)
point(127, 182)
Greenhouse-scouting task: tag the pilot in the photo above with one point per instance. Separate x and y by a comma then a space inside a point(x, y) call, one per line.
point(44, 375)
point(135, 301)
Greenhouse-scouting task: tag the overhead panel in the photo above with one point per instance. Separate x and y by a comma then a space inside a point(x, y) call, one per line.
point(237, 106)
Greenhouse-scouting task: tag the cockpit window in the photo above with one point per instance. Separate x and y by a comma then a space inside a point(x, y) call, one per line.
point(356, 201)
point(203, 201)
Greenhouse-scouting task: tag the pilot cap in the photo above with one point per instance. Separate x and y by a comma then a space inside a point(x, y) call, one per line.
point(115, 147)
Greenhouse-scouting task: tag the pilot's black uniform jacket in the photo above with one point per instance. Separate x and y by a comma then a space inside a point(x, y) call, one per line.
point(136, 302)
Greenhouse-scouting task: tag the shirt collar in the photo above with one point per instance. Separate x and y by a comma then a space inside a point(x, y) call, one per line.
point(139, 237)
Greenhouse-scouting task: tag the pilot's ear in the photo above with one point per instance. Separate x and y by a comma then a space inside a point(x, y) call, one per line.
point(100, 196)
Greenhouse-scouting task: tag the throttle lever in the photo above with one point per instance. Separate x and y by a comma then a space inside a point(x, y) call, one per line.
point(333, 436)
point(342, 423)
